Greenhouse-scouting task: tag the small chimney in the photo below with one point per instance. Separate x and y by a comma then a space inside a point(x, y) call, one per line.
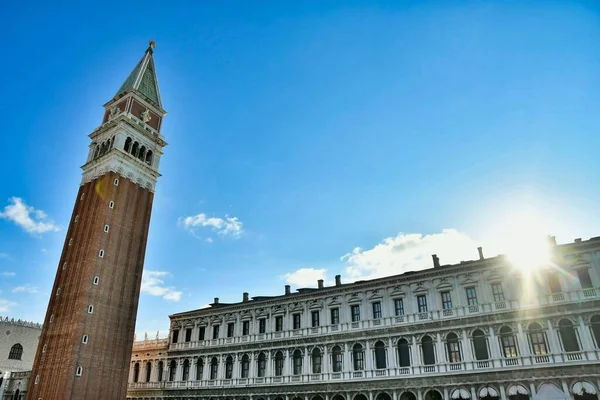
point(338, 280)
point(287, 290)
point(320, 282)
point(480, 250)
point(436, 261)
point(216, 300)
point(245, 298)
point(552, 240)
point(578, 240)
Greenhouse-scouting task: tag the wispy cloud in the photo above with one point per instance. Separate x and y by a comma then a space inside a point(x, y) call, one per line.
point(305, 276)
point(409, 252)
point(25, 289)
point(8, 273)
point(5, 305)
point(226, 226)
point(28, 218)
point(4, 255)
point(153, 284)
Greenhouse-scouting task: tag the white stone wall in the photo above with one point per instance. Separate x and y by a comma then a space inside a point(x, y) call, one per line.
point(12, 333)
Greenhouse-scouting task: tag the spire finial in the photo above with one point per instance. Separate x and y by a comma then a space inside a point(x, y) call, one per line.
point(151, 44)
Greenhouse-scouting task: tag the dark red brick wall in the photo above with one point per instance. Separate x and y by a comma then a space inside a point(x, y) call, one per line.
point(137, 109)
point(105, 359)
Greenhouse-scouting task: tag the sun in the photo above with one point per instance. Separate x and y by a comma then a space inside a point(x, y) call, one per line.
point(524, 240)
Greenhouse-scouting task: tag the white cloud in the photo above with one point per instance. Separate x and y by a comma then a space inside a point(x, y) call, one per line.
point(5, 305)
point(31, 220)
point(153, 284)
point(25, 289)
point(4, 255)
point(8, 273)
point(304, 277)
point(409, 252)
point(227, 226)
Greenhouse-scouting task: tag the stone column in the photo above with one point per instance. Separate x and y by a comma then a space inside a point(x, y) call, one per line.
point(252, 366)
point(441, 353)
point(306, 363)
point(467, 349)
point(473, 393)
point(391, 355)
point(347, 361)
point(532, 389)
point(414, 350)
point(325, 360)
point(179, 373)
point(585, 335)
point(193, 369)
point(522, 341)
point(494, 345)
point(502, 392)
point(553, 339)
point(565, 388)
point(368, 357)
point(446, 395)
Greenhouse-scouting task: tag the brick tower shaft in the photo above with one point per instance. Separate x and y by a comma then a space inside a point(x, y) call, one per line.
point(85, 346)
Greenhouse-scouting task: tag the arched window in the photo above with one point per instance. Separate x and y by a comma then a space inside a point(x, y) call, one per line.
point(380, 361)
point(148, 371)
point(172, 370)
point(186, 370)
point(229, 367)
point(568, 335)
point(136, 372)
point(262, 364)
point(433, 395)
point(149, 157)
point(336, 357)
point(453, 348)
point(103, 148)
point(112, 142)
point(17, 395)
point(142, 153)
point(16, 352)
point(595, 328)
point(135, 149)
point(97, 151)
point(358, 357)
point(517, 392)
point(199, 369)
point(508, 342)
point(160, 370)
point(297, 362)
point(316, 361)
point(279, 363)
point(480, 345)
point(245, 366)
point(428, 351)
point(108, 145)
point(127, 146)
point(404, 353)
point(214, 368)
point(537, 339)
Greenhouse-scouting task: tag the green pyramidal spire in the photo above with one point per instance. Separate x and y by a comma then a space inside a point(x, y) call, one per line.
point(143, 78)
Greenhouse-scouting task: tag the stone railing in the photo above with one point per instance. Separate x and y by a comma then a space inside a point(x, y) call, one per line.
point(407, 319)
point(580, 357)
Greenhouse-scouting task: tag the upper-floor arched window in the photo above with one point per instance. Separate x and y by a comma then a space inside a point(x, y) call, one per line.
point(214, 368)
point(16, 352)
point(508, 342)
point(297, 362)
point(142, 154)
point(149, 157)
point(568, 335)
point(279, 363)
point(595, 328)
point(336, 357)
point(316, 361)
point(199, 369)
point(453, 348)
point(358, 356)
point(136, 372)
point(537, 339)
point(245, 366)
point(172, 370)
point(229, 367)
point(480, 345)
point(135, 148)
point(380, 361)
point(148, 371)
point(261, 364)
point(160, 370)
point(186, 370)
point(428, 350)
point(404, 353)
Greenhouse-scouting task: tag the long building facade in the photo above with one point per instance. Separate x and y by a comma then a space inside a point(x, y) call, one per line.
point(480, 329)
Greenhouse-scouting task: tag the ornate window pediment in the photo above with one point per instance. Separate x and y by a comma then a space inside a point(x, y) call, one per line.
point(354, 298)
point(469, 280)
point(316, 304)
point(295, 307)
point(444, 285)
point(246, 315)
point(278, 310)
point(262, 312)
point(335, 301)
point(376, 295)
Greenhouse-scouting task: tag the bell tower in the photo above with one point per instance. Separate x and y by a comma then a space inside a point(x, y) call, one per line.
point(85, 346)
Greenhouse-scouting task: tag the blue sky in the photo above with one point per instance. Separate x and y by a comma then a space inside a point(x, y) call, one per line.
point(306, 139)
